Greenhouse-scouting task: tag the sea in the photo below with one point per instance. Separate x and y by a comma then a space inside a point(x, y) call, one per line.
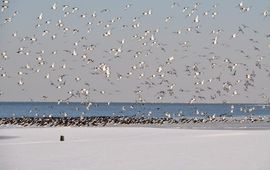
point(173, 110)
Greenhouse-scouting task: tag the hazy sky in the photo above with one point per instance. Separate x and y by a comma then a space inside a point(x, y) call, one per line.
point(152, 51)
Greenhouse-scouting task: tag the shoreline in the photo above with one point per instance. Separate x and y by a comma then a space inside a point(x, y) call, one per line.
point(225, 123)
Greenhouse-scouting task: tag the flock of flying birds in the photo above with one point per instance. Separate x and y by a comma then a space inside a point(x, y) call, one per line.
point(102, 52)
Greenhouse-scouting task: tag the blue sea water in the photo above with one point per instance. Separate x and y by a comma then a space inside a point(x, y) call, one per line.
point(39, 109)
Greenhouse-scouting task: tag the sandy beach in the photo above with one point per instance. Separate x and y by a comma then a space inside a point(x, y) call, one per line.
point(133, 148)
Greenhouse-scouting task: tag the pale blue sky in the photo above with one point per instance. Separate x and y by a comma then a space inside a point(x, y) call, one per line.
point(199, 51)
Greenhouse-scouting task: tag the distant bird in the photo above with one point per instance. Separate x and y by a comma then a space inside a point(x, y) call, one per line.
point(40, 17)
point(54, 6)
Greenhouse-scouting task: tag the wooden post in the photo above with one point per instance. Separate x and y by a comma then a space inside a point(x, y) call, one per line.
point(62, 138)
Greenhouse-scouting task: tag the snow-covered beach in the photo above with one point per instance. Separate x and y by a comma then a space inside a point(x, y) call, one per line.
point(133, 148)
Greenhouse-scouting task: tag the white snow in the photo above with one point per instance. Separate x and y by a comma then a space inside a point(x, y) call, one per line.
point(133, 148)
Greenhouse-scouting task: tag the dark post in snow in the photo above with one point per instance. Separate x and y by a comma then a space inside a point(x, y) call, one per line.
point(62, 138)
